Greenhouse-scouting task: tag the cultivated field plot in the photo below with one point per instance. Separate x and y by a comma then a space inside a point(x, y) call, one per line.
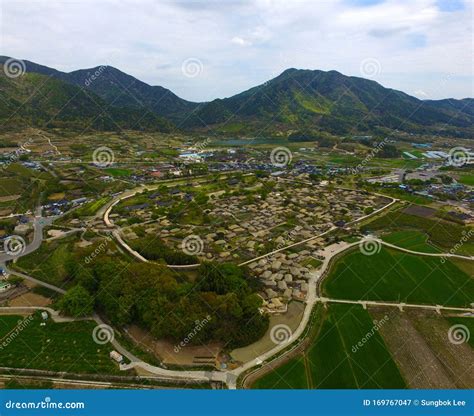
point(54, 346)
point(411, 240)
point(421, 347)
point(395, 276)
point(334, 361)
point(441, 233)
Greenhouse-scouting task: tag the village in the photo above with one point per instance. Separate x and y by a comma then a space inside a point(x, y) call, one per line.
point(251, 225)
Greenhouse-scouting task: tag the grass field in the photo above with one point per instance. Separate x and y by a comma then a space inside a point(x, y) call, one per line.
point(332, 362)
point(55, 346)
point(412, 240)
point(50, 262)
point(9, 186)
point(467, 179)
point(443, 234)
point(118, 172)
point(91, 208)
point(391, 275)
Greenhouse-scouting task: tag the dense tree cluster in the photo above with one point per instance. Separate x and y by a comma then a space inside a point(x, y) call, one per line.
point(167, 304)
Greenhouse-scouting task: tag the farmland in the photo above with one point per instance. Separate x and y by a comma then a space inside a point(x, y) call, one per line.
point(331, 361)
point(412, 240)
point(395, 276)
point(441, 233)
point(421, 347)
point(54, 346)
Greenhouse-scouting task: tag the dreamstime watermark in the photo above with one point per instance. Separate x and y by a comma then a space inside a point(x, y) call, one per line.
point(199, 325)
point(459, 156)
point(458, 334)
point(11, 336)
point(370, 67)
point(192, 67)
point(14, 68)
point(281, 157)
point(98, 72)
point(17, 153)
point(467, 235)
point(280, 334)
point(14, 245)
point(98, 250)
point(46, 403)
point(103, 157)
point(103, 334)
point(192, 245)
point(373, 153)
point(370, 246)
point(371, 333)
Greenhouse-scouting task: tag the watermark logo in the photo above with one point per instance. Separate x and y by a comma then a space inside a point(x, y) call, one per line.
point(14, 68)
point(20, 326)
point(98, 250)
point(281, 157)
point(98, 72)
point(370, 334)
point(103, 157)
point(280, 334)
point(458, 334)
point(466, 237)
point(14, 245)
point(103, 334)
point(458, 156)
point(370, 246)
point(199, 325)
point(192, 245)
point(15, 155)
point(370, 68)
point(377, 147)
point(192, 67)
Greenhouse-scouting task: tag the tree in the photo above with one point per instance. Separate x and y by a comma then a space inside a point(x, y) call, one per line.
point(77, 302)
point(15, 280)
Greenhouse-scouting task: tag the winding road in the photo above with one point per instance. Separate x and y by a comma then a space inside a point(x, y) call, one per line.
point(228, 377)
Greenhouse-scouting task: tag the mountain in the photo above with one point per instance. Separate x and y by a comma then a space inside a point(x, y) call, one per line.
point(120, 89)
point(300, 104)
point(312, 101)
point(39, 100)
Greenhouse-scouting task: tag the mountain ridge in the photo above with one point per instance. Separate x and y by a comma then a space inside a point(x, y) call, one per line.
point(314, 101)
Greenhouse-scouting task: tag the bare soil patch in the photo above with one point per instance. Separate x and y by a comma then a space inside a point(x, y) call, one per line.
point(419, 345)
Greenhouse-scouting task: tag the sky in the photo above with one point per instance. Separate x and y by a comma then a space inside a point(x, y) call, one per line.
point(203, 50)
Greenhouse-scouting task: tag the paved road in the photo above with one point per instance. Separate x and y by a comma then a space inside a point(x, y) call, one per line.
point(401, 306)
point(230, 377)
point(38, 224)
point(418, 253)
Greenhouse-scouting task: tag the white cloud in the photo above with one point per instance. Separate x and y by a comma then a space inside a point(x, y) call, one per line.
point(240, 41)
point(245, 42)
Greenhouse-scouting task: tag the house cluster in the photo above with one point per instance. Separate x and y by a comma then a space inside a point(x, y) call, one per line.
point(283, 277)
point(240, 228)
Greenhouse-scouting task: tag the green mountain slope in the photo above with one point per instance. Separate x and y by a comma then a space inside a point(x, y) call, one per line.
point(297, 103)
point(335, 103)
point(43, 101)
point(120, 89)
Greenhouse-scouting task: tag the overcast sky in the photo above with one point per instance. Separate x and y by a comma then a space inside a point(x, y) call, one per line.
point(202, 50)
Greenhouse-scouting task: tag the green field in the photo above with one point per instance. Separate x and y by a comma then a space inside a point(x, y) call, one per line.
point(331, 361)
point(92, 207)
point(10, 186)
point(442, 233)
point(391, 275)
point(50, 263)
point(412, 240)
point(118, 172)
point(291, 375)
point(467, 179)
point(55, 346)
